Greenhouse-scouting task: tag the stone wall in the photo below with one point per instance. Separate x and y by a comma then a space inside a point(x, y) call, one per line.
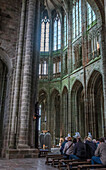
point(9, 25)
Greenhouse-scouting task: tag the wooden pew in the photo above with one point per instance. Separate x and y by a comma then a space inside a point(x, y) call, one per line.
point(51, 156)
point(65, 163)
point(43, 152)
point(55, 161)
point(75, 164)
point(99, 166)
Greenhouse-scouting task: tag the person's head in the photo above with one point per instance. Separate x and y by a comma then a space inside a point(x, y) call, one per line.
point(77, 136)
point(66, 138)
point(69, 138)
point(85, 137)
point(101, 140)
point(74, 140)
point(89, 135)
point(89, 139)
point(78, 139)
point(94, 140)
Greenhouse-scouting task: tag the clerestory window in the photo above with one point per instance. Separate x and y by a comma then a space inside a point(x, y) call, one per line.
point(76, 18)
point(65, 31)
point(91, 17)
point(57, 67)
point(45, 24)
point(43, 69)
point(57, 34)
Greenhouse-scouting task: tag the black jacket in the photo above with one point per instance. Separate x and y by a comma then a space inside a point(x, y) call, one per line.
point(80, 150)
point(90, 149)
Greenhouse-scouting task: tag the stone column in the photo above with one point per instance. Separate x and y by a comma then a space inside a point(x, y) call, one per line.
point(104, 67)
point(69, 112)
point(50, 61)
point(35, 73)
point(18, 76)
point(84, 56)
point(69, 57)
point(103, 54)
point(61, 116)
point(62, 44)
point(27, 77)
point(48, 113)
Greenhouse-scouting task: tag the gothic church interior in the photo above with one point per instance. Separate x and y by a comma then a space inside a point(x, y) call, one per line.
point(53, 52)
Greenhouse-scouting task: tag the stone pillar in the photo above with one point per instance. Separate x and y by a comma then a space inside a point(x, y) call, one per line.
point(35, 73)
point(48, 113)
point(7, 112)
point(18, 76)
point(69, 111)
point(84, 56)
point(104, 67)
point(69, 57)
point(62, 44)
point(27, 77)
point(103, 54)
point(50, 61)
point(61, 116)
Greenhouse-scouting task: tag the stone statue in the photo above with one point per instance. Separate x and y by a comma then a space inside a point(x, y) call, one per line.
point(42, 140)
point(48, 140)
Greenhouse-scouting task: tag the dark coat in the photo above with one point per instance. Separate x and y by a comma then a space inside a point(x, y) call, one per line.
point(90, 149)
point(80, 149)
point(62, 146)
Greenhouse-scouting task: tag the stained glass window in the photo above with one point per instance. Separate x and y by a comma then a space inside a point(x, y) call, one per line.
point(91, 17)
point(57, 34)
point(45, 24)
point(43, 68)
point(65, 30)
point(76, 19)
point(57, 67)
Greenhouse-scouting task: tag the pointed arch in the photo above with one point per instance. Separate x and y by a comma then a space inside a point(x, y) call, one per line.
point(5, 69)
point(77, 108)
point(5, 58)
point(55, 116)
point(64, 114)
point(95, 104)
point(43, 104)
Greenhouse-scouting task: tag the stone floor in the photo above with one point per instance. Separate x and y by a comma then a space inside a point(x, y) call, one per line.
point(25, 164)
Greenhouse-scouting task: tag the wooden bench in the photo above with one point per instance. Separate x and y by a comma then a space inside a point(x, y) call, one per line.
point(74, 165)
point(43, 152)
point(55, 161)
point(50, 157)
point(99, 166)
point(65, 163)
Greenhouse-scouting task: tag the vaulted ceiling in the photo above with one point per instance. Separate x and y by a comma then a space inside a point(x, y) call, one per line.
point(57, 4)
point(53, 4)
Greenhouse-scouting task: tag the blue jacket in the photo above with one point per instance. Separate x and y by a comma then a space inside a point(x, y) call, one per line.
point(62, 146)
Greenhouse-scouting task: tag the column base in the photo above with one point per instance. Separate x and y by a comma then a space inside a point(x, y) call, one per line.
point(23, 146)
point(21, 153)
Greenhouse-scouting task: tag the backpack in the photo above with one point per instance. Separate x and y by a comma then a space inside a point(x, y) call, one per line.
point(81, 150)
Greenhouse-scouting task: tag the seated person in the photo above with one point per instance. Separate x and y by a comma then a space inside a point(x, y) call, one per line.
point(62, 145)
point(68, 149)
point(100, 153)
point(90, 148)
point(79, 151)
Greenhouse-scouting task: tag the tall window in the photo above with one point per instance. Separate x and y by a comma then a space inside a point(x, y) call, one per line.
point(57, 34)
point(76, 14)
point(43, 69)
point(45, 23)
point(65, 31)
point(56, 67)
point(91, 17)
